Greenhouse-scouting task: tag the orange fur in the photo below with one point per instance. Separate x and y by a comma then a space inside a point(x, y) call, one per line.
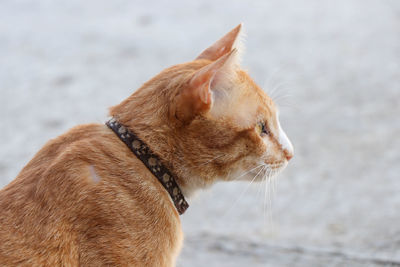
point(85, 199)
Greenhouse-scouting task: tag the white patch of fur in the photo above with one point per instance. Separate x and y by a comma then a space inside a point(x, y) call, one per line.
point(283, 139)
point(192, 187)
point(93, 174)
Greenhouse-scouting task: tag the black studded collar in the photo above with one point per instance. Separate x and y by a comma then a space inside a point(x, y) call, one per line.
point(152, 162)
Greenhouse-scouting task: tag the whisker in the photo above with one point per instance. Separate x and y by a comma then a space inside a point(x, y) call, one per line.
point(246, 172)
point(245, 190)
point(265, 192)
point(290, 104)
point(279, 98)
point(271, 77)
point(258, 191)
point(269, 196)
point(270, 199)
point(276, 89)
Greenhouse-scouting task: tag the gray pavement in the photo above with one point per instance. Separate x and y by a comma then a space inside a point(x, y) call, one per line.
point(334, 67)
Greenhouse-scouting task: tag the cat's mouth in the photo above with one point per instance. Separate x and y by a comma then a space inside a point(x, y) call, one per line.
point(266, 171)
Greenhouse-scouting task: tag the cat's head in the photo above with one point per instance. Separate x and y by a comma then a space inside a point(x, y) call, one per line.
point(210, 119)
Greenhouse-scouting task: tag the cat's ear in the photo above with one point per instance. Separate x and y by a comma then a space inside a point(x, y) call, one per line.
point(223, 46)
point(199, 95)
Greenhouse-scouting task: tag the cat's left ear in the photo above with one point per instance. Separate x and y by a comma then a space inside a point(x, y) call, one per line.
point(199, 95)
point(224, 45)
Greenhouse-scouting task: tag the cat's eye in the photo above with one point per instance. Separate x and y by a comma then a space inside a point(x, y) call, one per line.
point(262, 129)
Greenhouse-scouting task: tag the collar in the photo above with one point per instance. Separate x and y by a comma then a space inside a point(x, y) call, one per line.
point(152, 162)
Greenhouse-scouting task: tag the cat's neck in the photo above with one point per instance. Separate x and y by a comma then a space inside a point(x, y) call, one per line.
point(147, 121)
point(167, 149)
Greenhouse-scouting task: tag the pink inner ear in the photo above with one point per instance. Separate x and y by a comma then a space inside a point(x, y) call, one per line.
point(222, 46)
point(206, 94)
point(201, 81)
point(201, 86)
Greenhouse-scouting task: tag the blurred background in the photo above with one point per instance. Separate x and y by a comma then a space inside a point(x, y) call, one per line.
point(334, 67)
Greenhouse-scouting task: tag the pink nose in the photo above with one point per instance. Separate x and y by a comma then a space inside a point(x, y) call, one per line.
point(288, 154)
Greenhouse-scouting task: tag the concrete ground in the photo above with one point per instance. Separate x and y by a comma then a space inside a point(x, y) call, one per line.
point(335, 70)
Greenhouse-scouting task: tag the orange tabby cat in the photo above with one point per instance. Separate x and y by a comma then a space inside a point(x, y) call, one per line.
point(85, 199)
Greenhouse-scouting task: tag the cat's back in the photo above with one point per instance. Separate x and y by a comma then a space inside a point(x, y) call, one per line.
point(31, 206)
point(83, 199)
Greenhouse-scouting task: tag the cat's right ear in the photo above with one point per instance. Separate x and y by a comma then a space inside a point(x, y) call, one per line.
point(223, 46)
point(198, 96)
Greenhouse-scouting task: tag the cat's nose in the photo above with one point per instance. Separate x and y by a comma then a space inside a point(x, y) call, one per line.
point(288, 154)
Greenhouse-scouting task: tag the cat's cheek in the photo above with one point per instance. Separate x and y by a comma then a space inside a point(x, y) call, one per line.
point(256, 144)
point(269, 150)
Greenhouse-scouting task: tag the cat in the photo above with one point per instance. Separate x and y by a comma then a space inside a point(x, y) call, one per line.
point(85, 199)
